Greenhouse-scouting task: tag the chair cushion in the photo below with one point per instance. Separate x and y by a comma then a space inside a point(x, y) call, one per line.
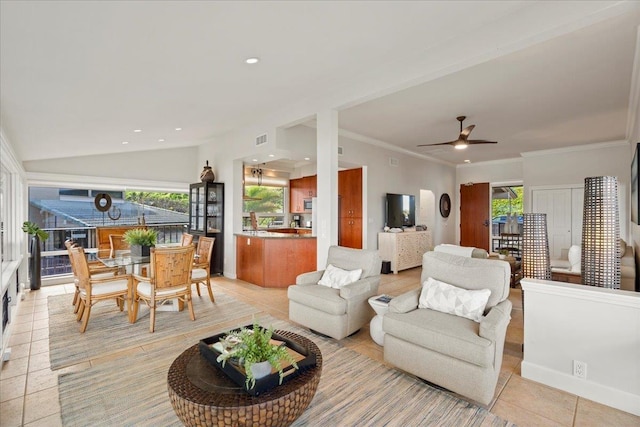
point(446, 298)
point(108, 287)
point(144, 289)
point(198, 274)
point(321, 298)
point(575, 255)
point(336, 277)
point(443, 333)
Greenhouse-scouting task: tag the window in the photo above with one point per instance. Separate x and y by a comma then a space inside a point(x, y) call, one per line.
point(265, 194)
point(507, 218)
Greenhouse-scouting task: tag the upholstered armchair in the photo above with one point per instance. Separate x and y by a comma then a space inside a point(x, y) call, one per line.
point(446, 335)
point(341, 310)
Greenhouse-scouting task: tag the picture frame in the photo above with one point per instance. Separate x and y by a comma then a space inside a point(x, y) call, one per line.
point(635, 194)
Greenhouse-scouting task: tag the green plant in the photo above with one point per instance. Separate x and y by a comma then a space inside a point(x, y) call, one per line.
point(254, 346)
point(504, 252)
point(141, 236)
point(33, 229)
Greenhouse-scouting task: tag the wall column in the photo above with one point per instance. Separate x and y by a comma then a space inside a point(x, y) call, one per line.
point(327, 188)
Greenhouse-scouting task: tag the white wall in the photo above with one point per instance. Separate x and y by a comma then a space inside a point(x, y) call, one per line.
point(601, 327)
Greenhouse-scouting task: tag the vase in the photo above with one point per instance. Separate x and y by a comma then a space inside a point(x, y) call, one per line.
point(261, 369)
point(207, 174)
point(140, 250)
point(35, 272)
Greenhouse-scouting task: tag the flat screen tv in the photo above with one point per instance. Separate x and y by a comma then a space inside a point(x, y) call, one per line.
point(401, 210)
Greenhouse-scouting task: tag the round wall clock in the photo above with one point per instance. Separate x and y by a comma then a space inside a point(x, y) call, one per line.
point(445, 205)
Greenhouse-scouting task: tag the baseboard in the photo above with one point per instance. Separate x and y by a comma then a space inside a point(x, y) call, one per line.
point(600, 393)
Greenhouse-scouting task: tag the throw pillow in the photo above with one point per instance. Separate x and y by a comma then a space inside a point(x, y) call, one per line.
point(335, 277)
point(450, 299)
point(575, 255)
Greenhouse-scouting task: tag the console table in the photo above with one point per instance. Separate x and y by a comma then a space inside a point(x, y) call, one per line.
point(405, 249)
point(202, 395)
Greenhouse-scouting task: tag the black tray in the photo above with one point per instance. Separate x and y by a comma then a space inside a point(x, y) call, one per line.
point(236, 373)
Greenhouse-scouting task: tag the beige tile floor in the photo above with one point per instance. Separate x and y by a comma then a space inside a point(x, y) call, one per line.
point(29, 389)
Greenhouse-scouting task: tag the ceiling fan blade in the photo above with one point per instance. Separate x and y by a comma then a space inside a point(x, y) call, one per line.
point(466, 131)
point(480, 141)
point(440, 143)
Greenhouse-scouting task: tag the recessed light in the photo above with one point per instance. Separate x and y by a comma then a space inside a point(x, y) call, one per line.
point(252, 60)
point(467, 161)
point(178, 128)
point(307, 158)
point(137, 130)
point(125, 142)
point(161, 140)
point(271, 155)
point(254, 160)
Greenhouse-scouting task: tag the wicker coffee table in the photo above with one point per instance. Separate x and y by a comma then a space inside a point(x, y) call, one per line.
point(202, 395)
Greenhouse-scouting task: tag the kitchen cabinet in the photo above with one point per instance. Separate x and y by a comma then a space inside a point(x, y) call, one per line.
point(206, 218)
point(274, 261)
point(299, 190)
point(350, 208)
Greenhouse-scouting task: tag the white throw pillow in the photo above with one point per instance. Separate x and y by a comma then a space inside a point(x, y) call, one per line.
point(574, 256)
point(450, 299)
point(335, 277)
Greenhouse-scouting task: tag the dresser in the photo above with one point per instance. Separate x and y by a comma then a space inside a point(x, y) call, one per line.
point(405, 249)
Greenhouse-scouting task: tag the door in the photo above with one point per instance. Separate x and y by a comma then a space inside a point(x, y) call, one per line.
point(475, 207)
point(556, 204)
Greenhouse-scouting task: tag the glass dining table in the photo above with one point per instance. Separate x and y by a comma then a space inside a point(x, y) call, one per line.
point(123, 260)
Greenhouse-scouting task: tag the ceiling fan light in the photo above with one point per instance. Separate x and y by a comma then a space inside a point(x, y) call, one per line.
point(461, 146)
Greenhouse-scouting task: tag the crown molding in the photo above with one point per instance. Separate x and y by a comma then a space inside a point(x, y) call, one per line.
point(490, 162)
point(8, 156)
point(634, 96)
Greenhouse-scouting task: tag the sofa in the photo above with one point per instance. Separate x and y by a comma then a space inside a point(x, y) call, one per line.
point(467, 251)
point(570, 263)
point(454, 352)
point(339, 310)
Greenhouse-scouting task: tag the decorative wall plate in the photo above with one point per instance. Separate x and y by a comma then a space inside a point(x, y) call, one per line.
point(102, 202)
point(445, 205)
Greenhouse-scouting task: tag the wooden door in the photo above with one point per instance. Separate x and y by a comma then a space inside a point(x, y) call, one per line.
point(475, 212)
point(350, 232)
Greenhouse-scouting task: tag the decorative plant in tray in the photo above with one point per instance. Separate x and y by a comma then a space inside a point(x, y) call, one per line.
point(256, 352)
point(141, 240)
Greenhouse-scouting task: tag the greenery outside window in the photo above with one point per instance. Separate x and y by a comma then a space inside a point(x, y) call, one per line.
point(265, 195)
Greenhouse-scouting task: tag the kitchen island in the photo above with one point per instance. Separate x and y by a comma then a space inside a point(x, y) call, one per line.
point(274, 259)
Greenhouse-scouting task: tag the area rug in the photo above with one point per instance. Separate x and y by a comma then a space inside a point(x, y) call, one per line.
point(354, 390)
point(109, 330)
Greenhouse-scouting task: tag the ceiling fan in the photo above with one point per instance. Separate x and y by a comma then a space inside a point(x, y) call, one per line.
point(462, 142)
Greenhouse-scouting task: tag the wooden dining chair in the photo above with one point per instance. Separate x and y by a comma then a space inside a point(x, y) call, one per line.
point(95, 289)
point(96, 269)
point(118, 245)
point(201, 273)
point(170, 278)
point(186, 239)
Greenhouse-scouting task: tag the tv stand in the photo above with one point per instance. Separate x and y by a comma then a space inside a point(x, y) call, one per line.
point(404, 250)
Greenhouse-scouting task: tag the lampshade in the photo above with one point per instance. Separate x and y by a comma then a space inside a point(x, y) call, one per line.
point(535, 247)
point(601, 233)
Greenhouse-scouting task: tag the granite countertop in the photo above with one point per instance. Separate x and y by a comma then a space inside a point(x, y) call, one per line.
point(274, 235)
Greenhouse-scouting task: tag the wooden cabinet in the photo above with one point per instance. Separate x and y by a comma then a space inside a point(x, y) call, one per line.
point(206, 218)
point(274, 262)
point(350, 208)
point(404, 250)
point(299, 190)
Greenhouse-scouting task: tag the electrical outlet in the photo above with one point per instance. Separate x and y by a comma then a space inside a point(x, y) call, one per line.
point(579, 369)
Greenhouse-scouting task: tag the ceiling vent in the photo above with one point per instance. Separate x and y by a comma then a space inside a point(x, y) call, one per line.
point(393, 161)
point(340, 151)
point(261, 139)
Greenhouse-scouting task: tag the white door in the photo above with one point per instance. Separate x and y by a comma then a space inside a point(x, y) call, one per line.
point(557, 205)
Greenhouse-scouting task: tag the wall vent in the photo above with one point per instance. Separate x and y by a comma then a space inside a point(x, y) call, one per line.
point(340, 151)
point(393, 161)
point(261, 139)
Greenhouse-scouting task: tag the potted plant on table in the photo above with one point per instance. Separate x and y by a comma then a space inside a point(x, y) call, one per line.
point(35, 248)
point(141, 240)
point(256, 353)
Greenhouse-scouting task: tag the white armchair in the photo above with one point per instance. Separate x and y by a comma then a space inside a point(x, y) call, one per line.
point(336, 312)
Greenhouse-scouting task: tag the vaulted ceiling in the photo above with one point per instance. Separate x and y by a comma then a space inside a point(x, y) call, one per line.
point(77, 78)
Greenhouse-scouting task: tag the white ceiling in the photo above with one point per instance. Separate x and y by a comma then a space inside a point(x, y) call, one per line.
point(76, 78)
